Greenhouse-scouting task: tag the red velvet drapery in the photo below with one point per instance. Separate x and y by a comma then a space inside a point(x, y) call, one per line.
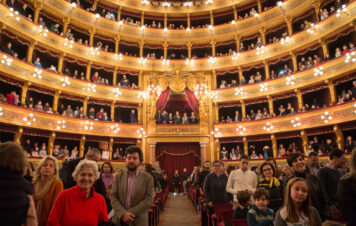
point(162, 100)
point(193, 101)
point(177, 156)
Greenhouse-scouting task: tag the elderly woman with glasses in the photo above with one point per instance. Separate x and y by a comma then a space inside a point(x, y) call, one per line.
point(272, 184)
point(47, 187)
point(80, 205)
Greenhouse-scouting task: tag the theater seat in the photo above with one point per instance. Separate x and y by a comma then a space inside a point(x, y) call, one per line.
point(239, 222)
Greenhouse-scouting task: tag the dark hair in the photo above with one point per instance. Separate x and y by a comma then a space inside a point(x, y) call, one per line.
point(13, 157)
point(312, 154)
point(134, 149)
point(253, 168)
point(109, 164)
point(270, 164)
point(218, 161)
point(230, 168)
point(243, 156)
point(243, 197)
point(336, 153)
point(148, 167)
point(260, 192)
point(207, 161)
point(273, 160)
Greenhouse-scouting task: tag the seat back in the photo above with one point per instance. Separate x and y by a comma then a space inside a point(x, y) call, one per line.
point(239, 222)
point(223, 212)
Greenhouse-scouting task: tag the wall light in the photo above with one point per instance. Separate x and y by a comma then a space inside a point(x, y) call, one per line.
point(6, 60)
point(166, 4)
point(260, 50)
point(165, 29)
point(350, 57)
point(240, 129)
point(188, 4)
point(263, 87)
point(14, 14)
point(117, 92)
point(212, 60)
point(142, 60)
point(285, 40)
point(290, 80)
point(165, 62)
point(313, 28)
point(255, 15)
point(70, 44)
point(65, 81)
point(115, 128)
point(97, 15)
point(239, 91)
point(1, 112)
point(94, 51)
point(326, 117)
point(88, 125)
point(279, 3)
point(209, 2)
point(30, 119)
point(210, 26)
point(216, 132)
point(342, 10)
point(318, 71)
point(295, 122)
point(189, 62)
point(268, 127)
point(214, 94)
point(235, 56)
point(141, 132)
point(37, 73)
point(233, 22)
point(144, 2)
point(142, 94)
point(91, 87)
point(188, 29)
point(118, 56)
point(61, 124)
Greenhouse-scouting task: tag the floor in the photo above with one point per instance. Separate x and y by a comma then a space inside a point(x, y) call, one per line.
point(179, 211)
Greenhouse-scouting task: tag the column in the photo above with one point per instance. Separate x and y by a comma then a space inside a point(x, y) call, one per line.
point(214, 80)
point(259, 6)
point(240, 74)
point(139, 113)
point(52, 137)
point(2, 26)
point(95, 3)
point(263, 35)
point(235, 13)
point(140, 79)
point(324, 46)
point(38, 8)
point(300, 99)
point(60, 62)
point(217, 148)
point(317, 5)
point(244, 141)
point(270, 105)
point(203, 151)
point(117, 41)
point(82, 146)
point(188, 20)
point(305, 141)
point(339, 137)
point(142, 18)
point(111, 147)
point(243, 109)
point(216, 112)
point(18, 135)
point(55, 100)
point(24, 93)
point(119, 13)
point(289, 25)
point(152, 151)
point(211, 18)
point(91, 36)
point(165, 46)
point(266, 70)
point(237, 39)
point(141, 43)
point(87, 74)
point(213, 43)
point(189, 45)
point(332, 91)
point(66, 22)
point(30, 49)
point(295, 63)
point(112, 111)
point(85, 105)
point(114, 76)
point(165, 20)
point(274, 145)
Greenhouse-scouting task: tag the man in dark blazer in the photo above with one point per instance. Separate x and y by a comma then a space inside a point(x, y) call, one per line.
point(92, 154)
point(132, 191)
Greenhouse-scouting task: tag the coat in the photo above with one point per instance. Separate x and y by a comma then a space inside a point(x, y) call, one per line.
point(346, 198)
point(142, 197)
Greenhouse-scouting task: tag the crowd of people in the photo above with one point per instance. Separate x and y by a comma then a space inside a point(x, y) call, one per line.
point(10, 98)
point(167, 118)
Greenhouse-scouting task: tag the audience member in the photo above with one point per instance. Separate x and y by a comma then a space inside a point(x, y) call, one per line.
point(243, 206)
point(260, 214)
point(107, 174)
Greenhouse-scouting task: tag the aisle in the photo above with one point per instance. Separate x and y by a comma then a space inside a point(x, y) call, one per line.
point(179, 211)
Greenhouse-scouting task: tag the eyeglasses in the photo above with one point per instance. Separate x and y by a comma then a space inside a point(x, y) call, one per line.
point(268, 169)
point(217, 165)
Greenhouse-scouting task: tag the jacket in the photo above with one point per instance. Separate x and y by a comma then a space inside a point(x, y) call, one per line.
point(142, 197)
point(346, 198)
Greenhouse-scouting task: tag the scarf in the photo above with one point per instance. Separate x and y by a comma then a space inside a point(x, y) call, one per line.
point(273, 181)
point(40, 191)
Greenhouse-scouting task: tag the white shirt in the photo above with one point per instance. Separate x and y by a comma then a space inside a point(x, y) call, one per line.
point(240, 181)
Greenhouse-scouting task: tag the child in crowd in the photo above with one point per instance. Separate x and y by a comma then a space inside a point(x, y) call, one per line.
point(297, 208)
point(260, 214)
point(244, 199)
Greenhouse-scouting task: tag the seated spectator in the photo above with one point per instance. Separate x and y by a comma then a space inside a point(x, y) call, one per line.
point(39, 106)
point(223, 84)
point(100, 114)
point(228, 119)
point(345, 49)
point(185, 119)
point(258, 77)
point(65, 151)
point(133, 116)
point(265, 113)
point(234, 83)
point(116, 155)
point(254, 155)
point(324, 14)
point(125, 83)
point(54, 28)
point(43, 151)
point(222, 119)
point(223, 153)
point(37, 62)
point(243, 81)
point(237, 116)
point(177, 118)
point(75, 152)
point(260, 214)
point(170, 119)
point(281, 151)
point(56, 150)
point(258, 115)
point(91, 113)
point(8, 49)
point(337, 52)
point(193, 119)
point(243, 206)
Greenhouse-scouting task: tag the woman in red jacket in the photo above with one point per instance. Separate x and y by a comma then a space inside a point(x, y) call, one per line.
point(80, 205)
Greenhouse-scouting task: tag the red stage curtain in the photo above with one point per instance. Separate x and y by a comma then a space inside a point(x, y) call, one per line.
point(193, 101)
point(177, 156)
point(162, 100)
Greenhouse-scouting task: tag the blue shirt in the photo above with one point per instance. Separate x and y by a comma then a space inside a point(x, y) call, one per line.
point(257, 217)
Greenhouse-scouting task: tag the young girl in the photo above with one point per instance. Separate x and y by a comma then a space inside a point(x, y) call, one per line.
point(297, 209)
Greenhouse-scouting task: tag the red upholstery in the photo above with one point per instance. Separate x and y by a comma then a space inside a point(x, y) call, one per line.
point(239, 222)
point(223, 213)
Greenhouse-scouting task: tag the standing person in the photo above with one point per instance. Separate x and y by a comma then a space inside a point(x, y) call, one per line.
point(80, 205)
point(92, 154)
point(329, 176)
point(133, 116)
point(132, 191)
point(176, 181)
point(272, 184)
point(317, 192)
point(107, 174)
point(16, 203)
point(185, 176)
point(313, 163)
point(297, 208)
point(242, 179)
point(47, 187)
point(202, 175)
point(346, 192)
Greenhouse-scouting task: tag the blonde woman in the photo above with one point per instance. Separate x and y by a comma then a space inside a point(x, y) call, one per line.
point(47, 187)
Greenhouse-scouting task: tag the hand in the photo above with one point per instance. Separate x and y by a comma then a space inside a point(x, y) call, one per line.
point(128, 217)
point(251, 192)
point(210, 204)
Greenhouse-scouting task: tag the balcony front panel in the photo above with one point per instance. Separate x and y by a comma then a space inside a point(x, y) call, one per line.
point(312, 119)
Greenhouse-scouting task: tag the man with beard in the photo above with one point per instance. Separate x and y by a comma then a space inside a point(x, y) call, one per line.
point(317, 192)
point(132, 191)
point(203, 174)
